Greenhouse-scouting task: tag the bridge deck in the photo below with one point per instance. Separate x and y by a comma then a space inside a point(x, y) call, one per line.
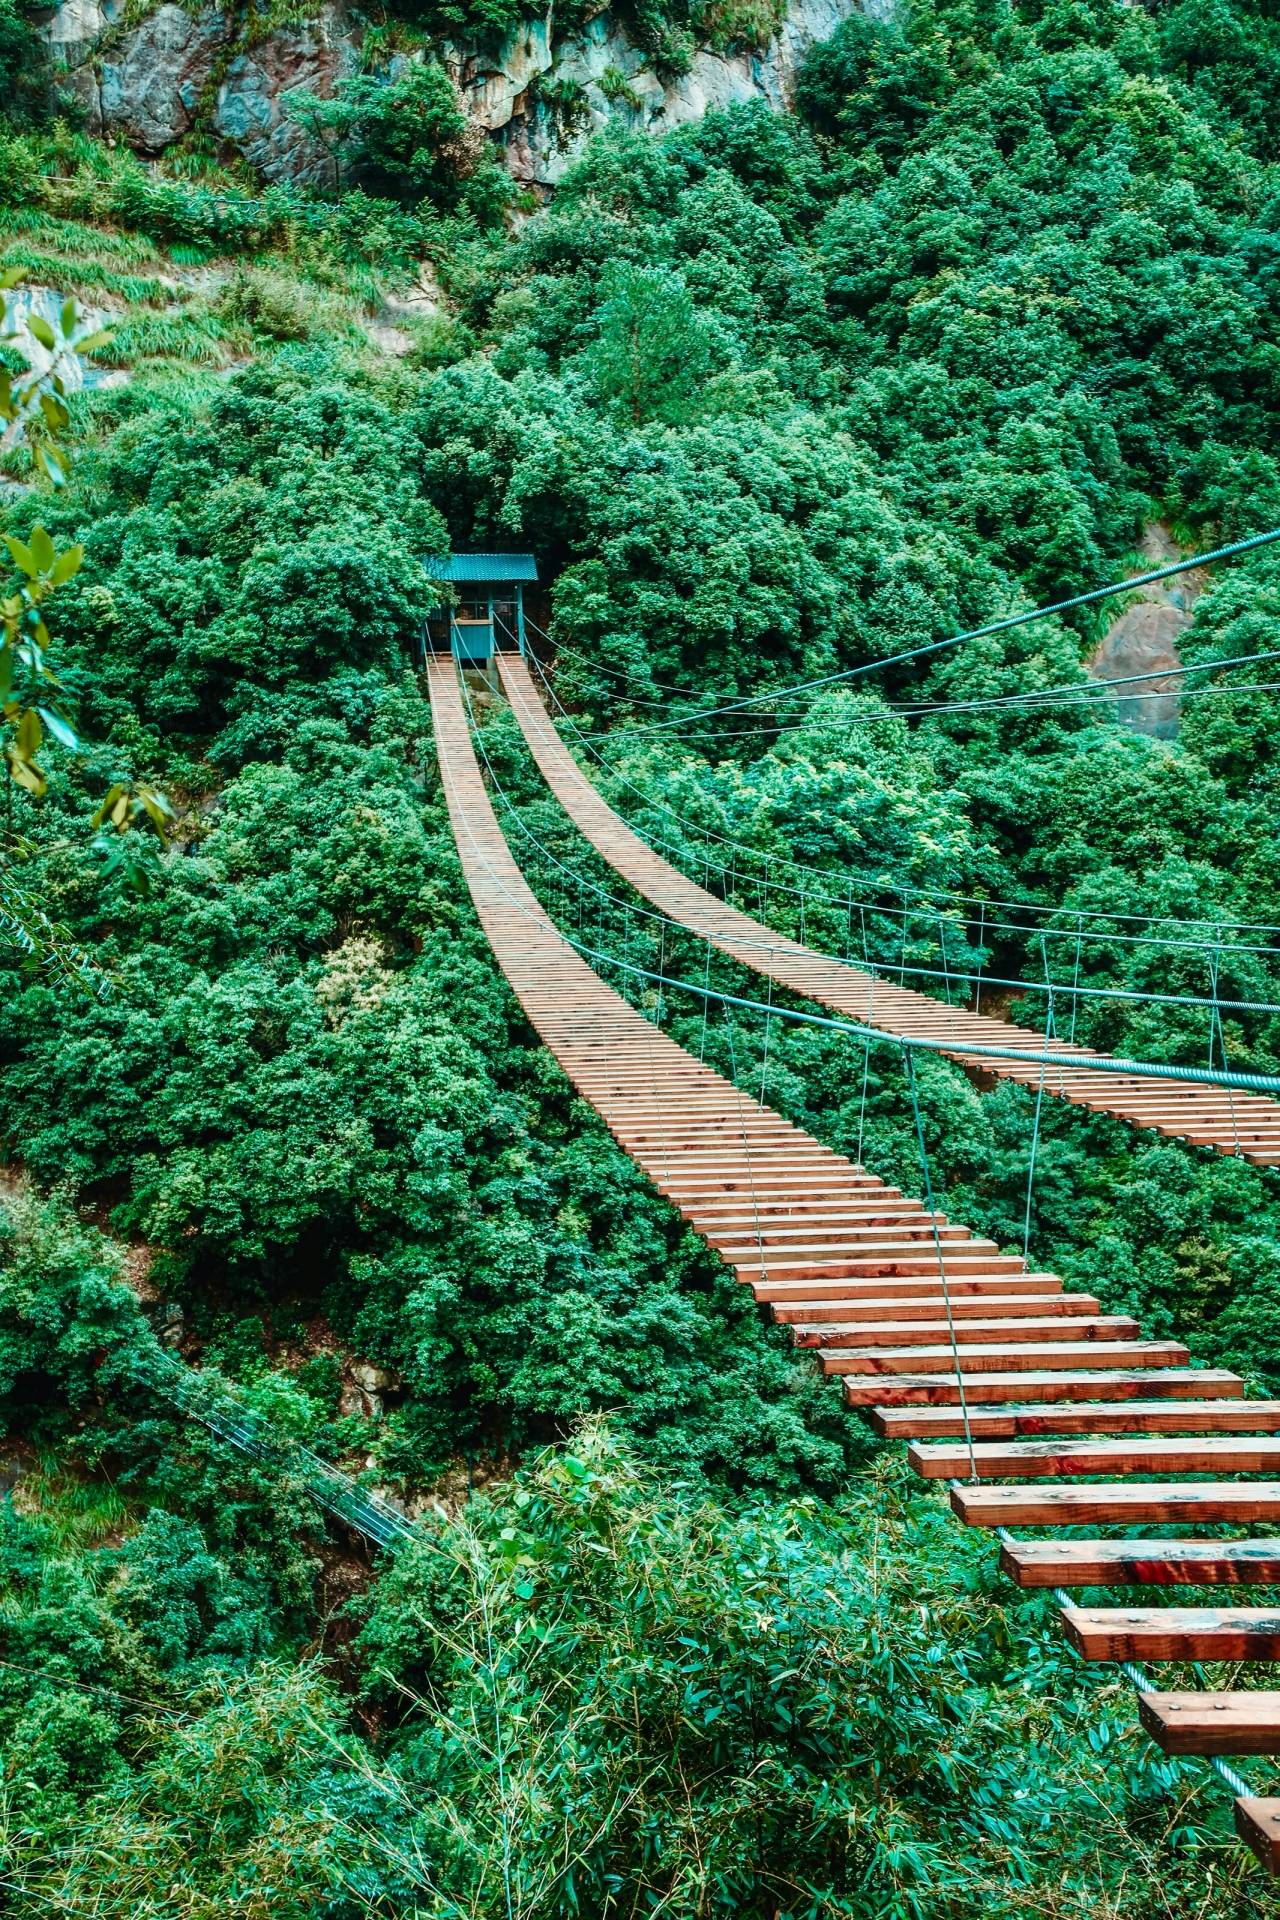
point(1247, 1124)
point(874, 1273)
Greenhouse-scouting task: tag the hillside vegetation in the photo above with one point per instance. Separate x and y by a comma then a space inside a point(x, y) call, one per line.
point(770, 397)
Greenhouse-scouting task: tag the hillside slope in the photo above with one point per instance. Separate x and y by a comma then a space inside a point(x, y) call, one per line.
point(772, 395)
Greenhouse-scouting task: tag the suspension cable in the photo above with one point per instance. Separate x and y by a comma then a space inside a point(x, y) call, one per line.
point(768, 946)
point(1005, 625)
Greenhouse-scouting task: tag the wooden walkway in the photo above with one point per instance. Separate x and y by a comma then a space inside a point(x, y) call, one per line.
point(1074, 1417)
point(1247, 1124)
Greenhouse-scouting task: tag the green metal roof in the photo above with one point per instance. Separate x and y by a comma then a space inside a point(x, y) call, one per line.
point(460, 567)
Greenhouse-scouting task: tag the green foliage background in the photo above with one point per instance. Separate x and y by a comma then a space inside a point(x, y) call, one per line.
point(769, 397)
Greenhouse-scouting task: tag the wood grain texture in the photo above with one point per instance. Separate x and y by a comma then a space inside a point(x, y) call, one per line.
point(1048, 1459)
point(1241, 1503)
point(1258, 1825)
point(1207, 1415)
point(1142, 1563)
point(1212, 1722)
point(1174, 1633)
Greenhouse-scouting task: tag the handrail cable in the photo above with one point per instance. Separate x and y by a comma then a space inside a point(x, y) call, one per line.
point(215, 1406)
point(931, 895)
point(1019, 703)
point(1062, 606)
point(952, 975)
point(462, 819)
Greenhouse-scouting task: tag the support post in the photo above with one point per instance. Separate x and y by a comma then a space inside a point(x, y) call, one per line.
point(520, 618)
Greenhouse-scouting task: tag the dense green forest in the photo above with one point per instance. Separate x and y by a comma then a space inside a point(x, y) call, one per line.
point(769, 397)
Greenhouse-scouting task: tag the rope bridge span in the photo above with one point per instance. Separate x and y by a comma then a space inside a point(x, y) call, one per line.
point(1247, 1124)
point(1057, 1413)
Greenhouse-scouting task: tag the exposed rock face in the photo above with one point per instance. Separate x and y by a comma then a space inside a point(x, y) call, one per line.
point(151, 83)
point(74, 29)
point(150, 91)
point(250, 113)
point(608, 79)
point(1144, 640)
point(32, 301)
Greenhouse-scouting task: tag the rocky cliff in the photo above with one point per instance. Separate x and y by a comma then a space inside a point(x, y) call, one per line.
point(150, 81)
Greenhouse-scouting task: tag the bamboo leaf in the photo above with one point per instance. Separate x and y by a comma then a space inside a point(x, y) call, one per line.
point(29, 735)
point(26, 775)
point(58, 727)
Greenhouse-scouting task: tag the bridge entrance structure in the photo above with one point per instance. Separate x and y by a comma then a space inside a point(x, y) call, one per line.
point(489, 597)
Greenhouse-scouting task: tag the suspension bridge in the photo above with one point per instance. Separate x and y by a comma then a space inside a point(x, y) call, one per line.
point(1041, 1409)
point(1207, 1115)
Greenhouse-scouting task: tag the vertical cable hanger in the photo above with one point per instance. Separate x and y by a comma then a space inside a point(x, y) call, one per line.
point(746, 1147)
point(977, 971)
point(706, 1003)
point(927, 1183)
point(1075, 976)
point(942, 948)
point(768, 1029)
point(1049, 1033)
point(866, 1043)
point(1215, 1023)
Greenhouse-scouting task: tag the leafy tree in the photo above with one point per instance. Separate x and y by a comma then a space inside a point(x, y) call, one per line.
point(653, 356)
point(406, 132)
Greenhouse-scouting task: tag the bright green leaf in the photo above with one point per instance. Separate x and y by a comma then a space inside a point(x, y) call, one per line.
point(21, 556)
point(67, 563)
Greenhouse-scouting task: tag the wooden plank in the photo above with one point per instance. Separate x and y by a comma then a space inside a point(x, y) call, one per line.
point(1238, 1502)
point(1029, 1459)
point(995, 1288)
point(830, 1247)
point(924, 1390)
point(1141, 1563)
point(871, 1265)
point(1174, 1633)
point(965, 1332)
point(1002, 1357)
point(1212, 1722)
point(1258, 1825)
point(1137, 1416)
point(877, 1306)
